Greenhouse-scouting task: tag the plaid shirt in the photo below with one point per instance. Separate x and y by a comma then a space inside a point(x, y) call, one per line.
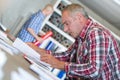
point(98, 57)
point(34, 23)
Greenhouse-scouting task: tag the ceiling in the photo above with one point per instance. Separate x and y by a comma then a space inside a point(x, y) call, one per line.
point(107, 9)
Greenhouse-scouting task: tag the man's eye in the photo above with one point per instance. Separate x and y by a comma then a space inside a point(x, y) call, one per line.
point(66, 24)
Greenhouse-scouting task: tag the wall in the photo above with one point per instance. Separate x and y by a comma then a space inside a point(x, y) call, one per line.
point(20, 10)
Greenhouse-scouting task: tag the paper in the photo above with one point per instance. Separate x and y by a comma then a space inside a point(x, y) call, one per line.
point(43, 73)
point(3, 35)
point(8, 48)
point(38, 62)
point(28, 51)
point(24, 48)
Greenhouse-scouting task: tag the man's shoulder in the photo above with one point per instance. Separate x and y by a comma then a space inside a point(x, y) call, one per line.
point(38, 13)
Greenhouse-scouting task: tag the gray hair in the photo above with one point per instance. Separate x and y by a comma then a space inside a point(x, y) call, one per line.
point(75, 8)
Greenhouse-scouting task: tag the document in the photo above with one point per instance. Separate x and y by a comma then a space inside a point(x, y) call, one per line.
point(8, 47)
point(43, 73)
point(28, 51)
point(24, 48)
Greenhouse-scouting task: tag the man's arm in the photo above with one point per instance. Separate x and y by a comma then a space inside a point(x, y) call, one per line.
point(49, 58)
point(31, 31)
point(34, 21)
point(57, 60)
point(54, 62)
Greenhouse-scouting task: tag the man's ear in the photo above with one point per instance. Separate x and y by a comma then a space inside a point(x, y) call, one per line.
point(79, 16)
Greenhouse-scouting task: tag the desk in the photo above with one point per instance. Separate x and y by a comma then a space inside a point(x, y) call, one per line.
point(12, 64)
point(13, 61)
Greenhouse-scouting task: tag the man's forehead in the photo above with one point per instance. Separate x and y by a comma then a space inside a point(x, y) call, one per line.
point(65, 15)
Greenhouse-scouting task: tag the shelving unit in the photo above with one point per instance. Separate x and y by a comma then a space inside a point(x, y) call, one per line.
point(59, 38)
point(53, 23)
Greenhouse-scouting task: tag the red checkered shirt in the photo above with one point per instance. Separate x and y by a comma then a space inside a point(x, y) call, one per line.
point(98, 57)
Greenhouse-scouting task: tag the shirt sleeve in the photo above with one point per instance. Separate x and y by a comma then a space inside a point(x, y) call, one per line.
point(98, 48)
point(64, 56)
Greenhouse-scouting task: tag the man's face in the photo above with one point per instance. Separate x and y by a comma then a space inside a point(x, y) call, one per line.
point(71, 24)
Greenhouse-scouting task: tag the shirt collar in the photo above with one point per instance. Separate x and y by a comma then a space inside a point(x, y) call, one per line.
point(85, 29)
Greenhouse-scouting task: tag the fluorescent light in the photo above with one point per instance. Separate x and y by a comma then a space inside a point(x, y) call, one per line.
point(117, 1)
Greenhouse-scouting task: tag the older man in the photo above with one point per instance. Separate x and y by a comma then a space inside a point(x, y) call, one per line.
point(94, 55)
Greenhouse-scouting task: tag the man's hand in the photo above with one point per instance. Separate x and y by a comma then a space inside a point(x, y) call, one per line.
point(39, 39)
point(48, 58)
point(37, 49)
point(52, 61)
point(32, 32)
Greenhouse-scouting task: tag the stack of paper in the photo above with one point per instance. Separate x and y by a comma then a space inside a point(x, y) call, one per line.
point(41, 68)
point(28, 51)
point(8, 48)
point(43, 73)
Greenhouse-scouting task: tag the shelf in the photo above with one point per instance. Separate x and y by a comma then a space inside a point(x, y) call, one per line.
point(52, 23)
point(60, 5)
point(61, 32)
point(60, 49)
point(58, 11)
point(57, 36)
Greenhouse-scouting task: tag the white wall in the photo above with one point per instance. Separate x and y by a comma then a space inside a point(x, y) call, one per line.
point(20, 9)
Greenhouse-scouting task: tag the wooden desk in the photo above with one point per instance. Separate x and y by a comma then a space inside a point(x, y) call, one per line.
point(12, 64)
point(15, 61)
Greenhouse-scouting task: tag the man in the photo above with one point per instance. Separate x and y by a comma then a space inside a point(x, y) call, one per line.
point(30, 30)
point(94, 55)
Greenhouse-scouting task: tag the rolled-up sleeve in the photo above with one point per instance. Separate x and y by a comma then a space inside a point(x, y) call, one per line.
point(65, 56)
